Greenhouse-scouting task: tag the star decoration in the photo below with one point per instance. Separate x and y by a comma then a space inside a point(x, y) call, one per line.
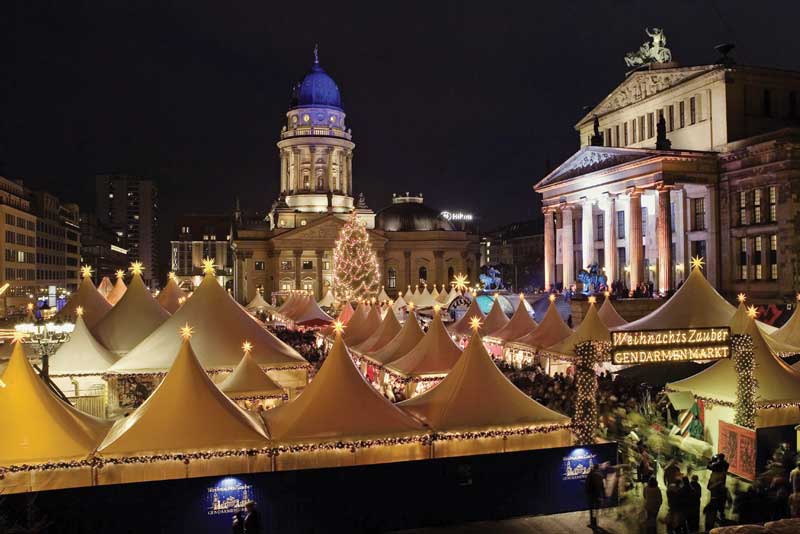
point(697, 262)
point(247, 347)
point(607, 293)
point(592, 300)
point(475, 323)
point(136, 268)
point(173, 276)
point(752, 312)
point(19, 336)
point(120, 274)
point(30, 306)
point(410, 306)
point(86, 271)
point(437, 308)
point(741, 297)
point(208, 266)
point(79, 311)
point(460, 282)
point(552, 297)
point(338, 327)
point(186, 331)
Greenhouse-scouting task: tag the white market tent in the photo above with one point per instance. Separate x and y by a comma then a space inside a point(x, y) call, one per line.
point(221, 325)
point(327, 300)
point(462, 327)
point(258, 303)
point(409, 295)
point(38, 427)
point(609, 315)
point(388, 329)
point(398, 305)
point(424, 299)
point(495, 320)
point(382, 296)
point(358, 330)
point(435, 293)
point(520, 324)
point(739, 322)
point(82, 357)
point(590, 329)
point(94, 305)
point(105, 286)
point(132, 319)
point(776, 383)
point(119, 289)
point(170, 297)
point(477, 395)
point(790, 331)
point(550, 331)
point(311, 316)
point(404, 341)
point(249, 382)
point(185, 413)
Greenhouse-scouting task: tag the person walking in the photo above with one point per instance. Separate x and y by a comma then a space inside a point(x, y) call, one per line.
point(675, 517)
point(594, 494)
point(252, 519)
point(238, 523)
point(693, 507)
point(652, 504)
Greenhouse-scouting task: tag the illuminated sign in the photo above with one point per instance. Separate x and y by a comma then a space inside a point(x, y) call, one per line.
point(228, 496)
point(663, 346)
point(577, 464)
point(456, 216)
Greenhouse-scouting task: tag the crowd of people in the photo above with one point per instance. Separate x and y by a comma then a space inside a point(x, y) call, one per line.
point(304, 342)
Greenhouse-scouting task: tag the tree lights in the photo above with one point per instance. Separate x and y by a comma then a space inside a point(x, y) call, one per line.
point(744, 359)
point(356, 274)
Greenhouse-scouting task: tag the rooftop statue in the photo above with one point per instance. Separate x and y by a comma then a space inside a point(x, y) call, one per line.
point(654, 52)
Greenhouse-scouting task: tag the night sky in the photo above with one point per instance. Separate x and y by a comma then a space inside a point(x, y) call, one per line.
point(463, 101)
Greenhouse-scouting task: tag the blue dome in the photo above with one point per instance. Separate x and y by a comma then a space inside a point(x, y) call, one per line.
point(317, 90)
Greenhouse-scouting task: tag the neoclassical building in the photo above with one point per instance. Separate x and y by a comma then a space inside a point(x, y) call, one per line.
point(679, 162)
point(291, 248)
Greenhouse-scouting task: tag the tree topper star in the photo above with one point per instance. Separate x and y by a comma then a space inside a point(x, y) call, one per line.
point(79, 311)
point(186, 331)
point(592, 300)
point(697, 262)
point(86, 271)
point(120, 274)
point(136, 268)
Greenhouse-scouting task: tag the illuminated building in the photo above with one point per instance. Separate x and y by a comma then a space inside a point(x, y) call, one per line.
point(292, 247)
point(101, 247)
point(201, 237)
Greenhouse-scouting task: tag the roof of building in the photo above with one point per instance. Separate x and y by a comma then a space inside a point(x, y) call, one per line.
point(317, 90)
point(409, 214)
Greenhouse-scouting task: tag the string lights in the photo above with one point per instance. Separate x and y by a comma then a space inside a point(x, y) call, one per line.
point(744, 359)
point(356, 273)
point(587, 354)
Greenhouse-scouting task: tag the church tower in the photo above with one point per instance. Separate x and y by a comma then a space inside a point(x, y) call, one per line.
point(316, 150)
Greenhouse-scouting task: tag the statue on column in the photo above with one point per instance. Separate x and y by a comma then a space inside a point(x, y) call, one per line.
point(662, 143)
point(597, 137)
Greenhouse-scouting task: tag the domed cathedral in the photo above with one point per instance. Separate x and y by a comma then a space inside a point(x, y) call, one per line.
point(292, 247)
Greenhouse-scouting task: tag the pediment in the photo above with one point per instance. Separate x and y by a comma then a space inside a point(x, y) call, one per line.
point(323, 229)
point(644, 84)
point(592, 159)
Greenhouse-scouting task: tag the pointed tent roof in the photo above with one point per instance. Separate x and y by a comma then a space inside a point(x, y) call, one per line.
point(436, 353)
point(590, 329)
point(521, 324)
point(609, 315)
point(775, 380)
point(94, 305)
point(444, 295)
point(495, 320)
point(461, 327)
point(453, 295)
point(186, 412)
point(475, 394)
point(409, 295)
point(388, 329)
point(344, 317)
point(551, 330)
point(221, 325)
point(249, 379)
point(338, 403)
point(399, 304)
point(132, 319)
point(119, 290)
point(257, 303)
point(170, 296)
point(415, 294)
point(105, 286)
point(311, 315)
point(435, 293)
point(382, 296)
point(81, 355)
point(695, 304)
point(327, 300)
point(287, 303)
point(36, 425)
point(358, 333)
point(296, 305)
point(739, 322)
point(407, 339)
point(790, 331)
point(425, 299)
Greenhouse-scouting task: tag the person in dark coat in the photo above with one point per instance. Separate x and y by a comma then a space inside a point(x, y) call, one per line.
point(652, 504)
point(252, 520)
point(693, 507)
point(594, 494)
point(238, 523)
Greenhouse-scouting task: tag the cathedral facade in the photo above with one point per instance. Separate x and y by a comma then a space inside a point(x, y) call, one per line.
point(292, 247)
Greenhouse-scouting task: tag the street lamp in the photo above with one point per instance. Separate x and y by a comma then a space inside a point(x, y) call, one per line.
point(47, 336)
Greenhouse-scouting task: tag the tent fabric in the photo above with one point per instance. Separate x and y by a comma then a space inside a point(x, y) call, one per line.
point(399, 304)
point(462, 327)
point(551, 330)
point(248, 379)
point(105, 286)
point(435, 294)
point(312, 315)
point(118, 291)
point(739, 322)
point(170, 297)
point(186, 412)
point(590, 329)
point(476, 394)
point(221, 325)
point(790, 331)
point(327, 300)
point(82, 354)
point(382, 296)
point(776, 381)
point(409, 295)
point(388, 329)
point(131, 319)
point(359, 332)
point(407, 339)
point(609, 315)
point(435, 354)
point(521, 324)
point(94, 305)
point(295, 305)
point(36, 425)
point(344, 317)
point(338, 402)
point(258, 303)
point(695, 305)
point(496, 319)
point(444, 295)
point(424, 299)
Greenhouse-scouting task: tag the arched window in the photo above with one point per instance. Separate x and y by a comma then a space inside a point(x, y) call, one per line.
point(451, 274)
point(306, 179)
point(391, 278)
point(423, 274)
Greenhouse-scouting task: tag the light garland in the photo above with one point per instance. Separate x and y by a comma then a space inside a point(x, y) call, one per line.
point(356, 273)
point(587, 354)
point(744, 360)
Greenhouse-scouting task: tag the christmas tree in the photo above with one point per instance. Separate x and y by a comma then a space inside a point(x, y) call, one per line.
point(356, 274)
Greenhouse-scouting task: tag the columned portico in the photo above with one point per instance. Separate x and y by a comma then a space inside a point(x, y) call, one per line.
point(664, 236)
point(298, 256)
point(610, 238)
point(635, 237)
point(567, 249)
point(587, 234)
point(318, 264)
point(549, 249)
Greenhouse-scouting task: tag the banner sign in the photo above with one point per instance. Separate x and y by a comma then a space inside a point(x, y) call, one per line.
point(675, 345)
point(738, 444)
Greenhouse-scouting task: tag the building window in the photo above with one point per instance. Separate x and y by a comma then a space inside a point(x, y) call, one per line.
point(773, 204)
point(757, 250)
point(577, 231)
point(766, 103)
point(773, 257)
point(698, 213)
point(423, 274)
point(633, 131)
point(692, 110)
point(391, 278)
point(286, 285)
point(326, 265)
point(259, 266)
point(671, 118)
point(742, 208)
point(616, 135)
point(600, 220)
point(287, 265)
point(308, 265)
point(650, 130)
point(620, 225)
point(625, 134)
point(641, 129)
point(757, 206)
point(681, 114)
point(308, 285)
point(742, 258)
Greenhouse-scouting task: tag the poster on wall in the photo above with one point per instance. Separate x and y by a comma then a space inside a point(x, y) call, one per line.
point(738, 444)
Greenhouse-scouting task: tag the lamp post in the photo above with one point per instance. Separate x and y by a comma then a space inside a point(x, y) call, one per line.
point(47, 336)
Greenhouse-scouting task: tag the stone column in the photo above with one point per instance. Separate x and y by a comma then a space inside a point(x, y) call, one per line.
point(664, 238)
point(298, 171)
point(635, 238)
point(329, 179)
point(350, 173)
point(319, 254)
point(587, 234)
point(549, 249)
point(712, 231)
point(313, 170)
point(273, 271)
point(610, 239)
point(407, 266)
point(284, 167)
point(567, 249)
point(298, 255)
point(438, 258)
